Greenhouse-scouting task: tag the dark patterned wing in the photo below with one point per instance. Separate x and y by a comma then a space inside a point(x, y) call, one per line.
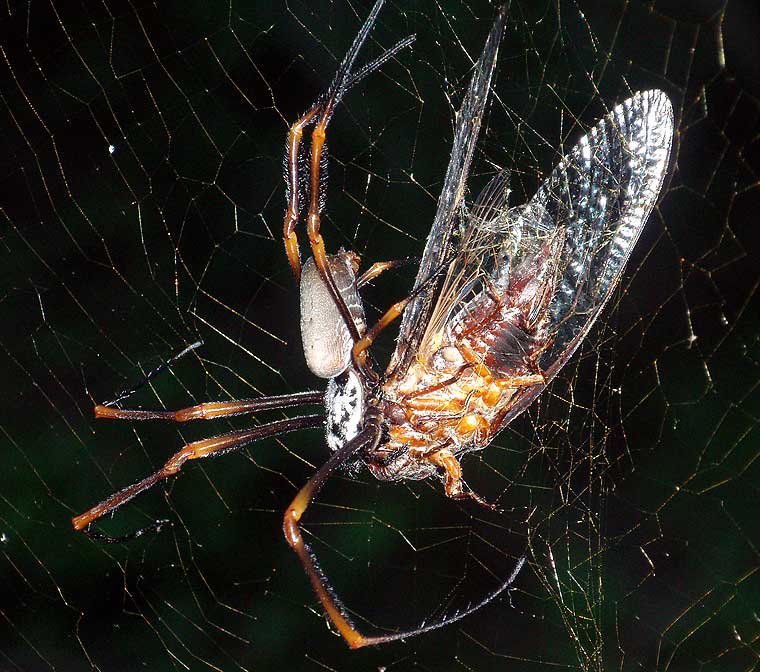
point(450, 202)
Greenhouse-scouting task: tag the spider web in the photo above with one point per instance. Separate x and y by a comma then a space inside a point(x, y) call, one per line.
point(142, 202)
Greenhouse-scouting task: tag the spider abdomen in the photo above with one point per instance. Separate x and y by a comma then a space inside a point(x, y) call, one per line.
point(327, 341)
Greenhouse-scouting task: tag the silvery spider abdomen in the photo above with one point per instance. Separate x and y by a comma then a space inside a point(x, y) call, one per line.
point(327, 341)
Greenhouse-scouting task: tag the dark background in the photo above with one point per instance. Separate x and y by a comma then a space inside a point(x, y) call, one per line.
point(636, 472)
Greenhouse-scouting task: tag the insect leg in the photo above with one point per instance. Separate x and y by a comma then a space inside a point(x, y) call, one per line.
point(214, 409)
point(445, 459)
point(410, 397)
point(213, 447)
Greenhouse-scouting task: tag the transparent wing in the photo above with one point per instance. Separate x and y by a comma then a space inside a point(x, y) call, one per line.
point(568, 244)
point(601, 196)
point(448, 214)
point(487, 245)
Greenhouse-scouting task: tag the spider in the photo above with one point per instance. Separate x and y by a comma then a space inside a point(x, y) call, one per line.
point(503, 297)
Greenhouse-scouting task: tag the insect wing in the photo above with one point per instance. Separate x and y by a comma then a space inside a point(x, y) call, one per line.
point(417, 313)
point(601, 194)
point(598, 200)
point(485, 244)
point(570, 242)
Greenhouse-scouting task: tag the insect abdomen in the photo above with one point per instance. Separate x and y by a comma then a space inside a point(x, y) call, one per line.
point(506, 324)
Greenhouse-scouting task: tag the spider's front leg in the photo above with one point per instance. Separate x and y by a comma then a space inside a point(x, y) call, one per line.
point(211, 410)
point(291, 214)
point(320, 114)
point(313, 221)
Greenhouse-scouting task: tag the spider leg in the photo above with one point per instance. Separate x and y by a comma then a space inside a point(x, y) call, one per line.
point(396, 310)
point(317, 243)
point(368, 437)
point(213, 447)
point(380, 60)
point(458, 616)
point(334, 608)
point(376, 269)
point(294, 143)
point(342, 81)
point(362, 345)
point(213, 409)
point(291, 214)
point(155, 372)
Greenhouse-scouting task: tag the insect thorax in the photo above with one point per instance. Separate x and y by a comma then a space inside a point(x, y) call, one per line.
point(344, 407)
